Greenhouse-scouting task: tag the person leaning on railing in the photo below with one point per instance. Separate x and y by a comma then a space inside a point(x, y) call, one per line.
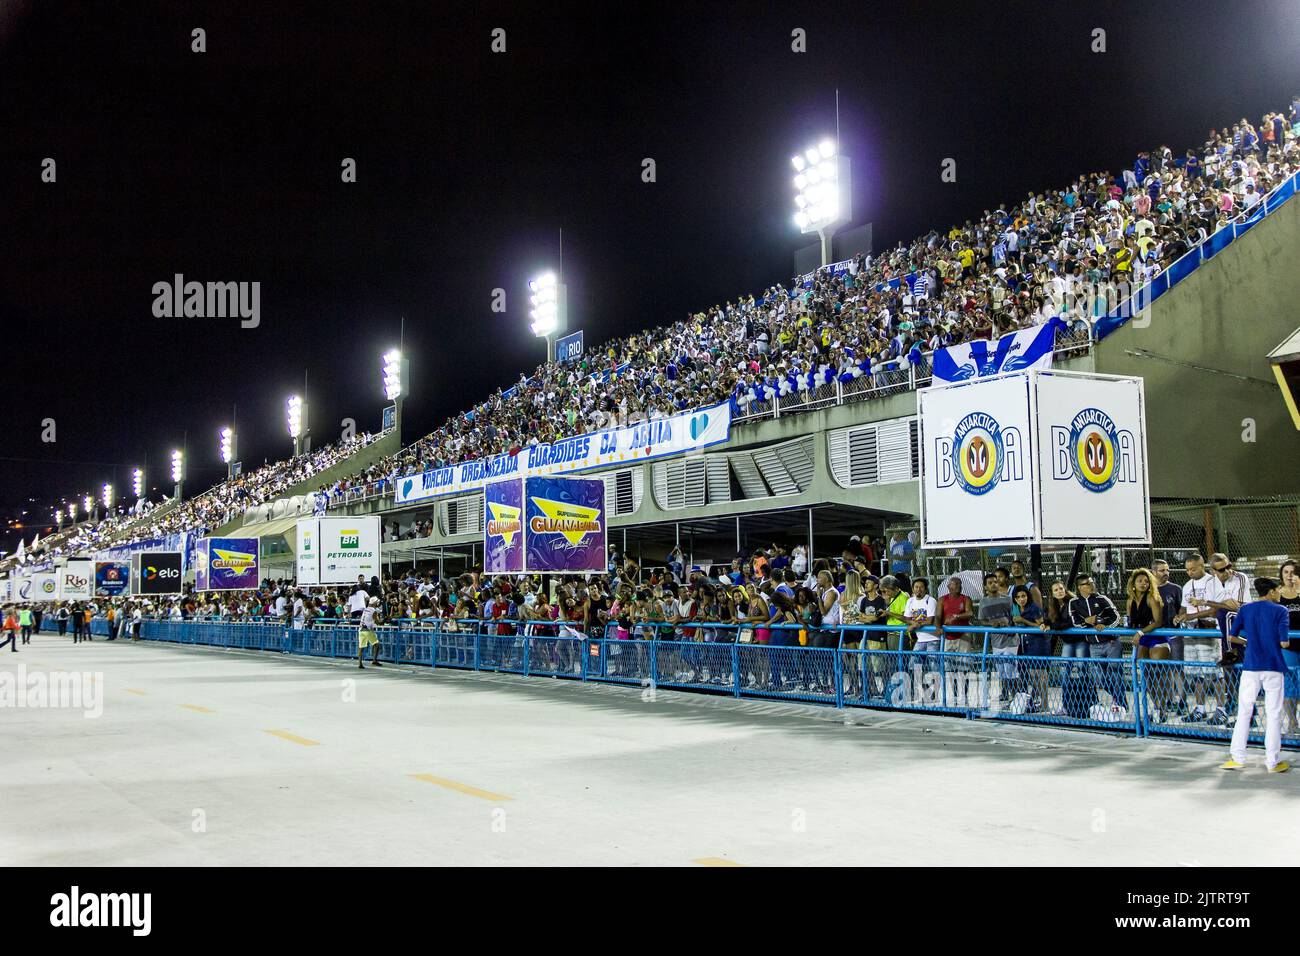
point(1095, 612)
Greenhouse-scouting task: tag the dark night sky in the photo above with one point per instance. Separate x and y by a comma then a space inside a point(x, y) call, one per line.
point(225, 166)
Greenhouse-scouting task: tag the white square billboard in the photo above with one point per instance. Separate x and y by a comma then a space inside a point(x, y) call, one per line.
point(1034, 458)
point(1092, 480)
point(349, 547)
point(77, 580)
point(976, 484)
point(308, 552)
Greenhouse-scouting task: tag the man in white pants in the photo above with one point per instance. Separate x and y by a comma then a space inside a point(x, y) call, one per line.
point(1262, 627)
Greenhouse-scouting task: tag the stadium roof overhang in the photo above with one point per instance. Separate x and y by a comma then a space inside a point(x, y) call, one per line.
point(1285, 360)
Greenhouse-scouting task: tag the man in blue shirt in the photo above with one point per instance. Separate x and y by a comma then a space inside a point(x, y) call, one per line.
point(1261, 626)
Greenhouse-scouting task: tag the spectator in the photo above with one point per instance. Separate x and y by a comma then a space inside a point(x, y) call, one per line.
point(1095, 612)
point(1261, 627)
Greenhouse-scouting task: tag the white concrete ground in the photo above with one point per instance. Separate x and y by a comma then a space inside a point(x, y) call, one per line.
point(404, 766)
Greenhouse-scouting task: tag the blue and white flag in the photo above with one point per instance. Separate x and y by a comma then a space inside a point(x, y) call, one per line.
point(1014, 352)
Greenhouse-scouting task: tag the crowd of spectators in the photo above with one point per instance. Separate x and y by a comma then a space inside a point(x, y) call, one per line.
point(1073, 254)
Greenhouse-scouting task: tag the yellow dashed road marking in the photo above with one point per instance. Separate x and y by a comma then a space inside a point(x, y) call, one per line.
point(461, 787)
point(715, 861)
point(285, 735)
point(197, 709)
point(132, 690)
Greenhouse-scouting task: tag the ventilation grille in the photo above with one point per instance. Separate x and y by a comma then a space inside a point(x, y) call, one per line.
point(875, 454)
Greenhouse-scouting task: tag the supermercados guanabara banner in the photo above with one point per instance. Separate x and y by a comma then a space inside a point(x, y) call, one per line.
point(688, 431)
point(226, 564)
point(503, 527)
point(565, 524)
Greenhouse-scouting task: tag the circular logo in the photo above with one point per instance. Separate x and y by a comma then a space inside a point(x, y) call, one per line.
point(1094, 443)
point(977, 452)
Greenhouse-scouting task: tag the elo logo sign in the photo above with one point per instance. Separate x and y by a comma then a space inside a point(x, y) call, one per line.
point(979, 454)
point(160, 572)
point(1093, 451)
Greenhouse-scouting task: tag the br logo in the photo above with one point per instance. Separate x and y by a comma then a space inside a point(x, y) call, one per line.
point(1094, 444)
point(977, 453)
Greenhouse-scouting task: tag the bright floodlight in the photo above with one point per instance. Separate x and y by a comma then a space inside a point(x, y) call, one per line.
point(295, 416)
point(178, 466)
point(137, 482)
point(392, 375)
point(88, 503)
point(821, 190)
point(72, 510)
point(546, 304)
point(108, 495)
point(227, 444)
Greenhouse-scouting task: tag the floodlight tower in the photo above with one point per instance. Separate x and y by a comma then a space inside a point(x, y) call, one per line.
point(823, 192)
point(550, 309)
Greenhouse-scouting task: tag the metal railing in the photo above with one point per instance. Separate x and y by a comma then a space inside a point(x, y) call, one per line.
point(961, 673)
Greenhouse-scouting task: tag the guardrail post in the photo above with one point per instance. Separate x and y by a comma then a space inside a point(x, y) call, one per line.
point(478, 632)
point(528, 650)
point(839, 669)
point(1139, 696)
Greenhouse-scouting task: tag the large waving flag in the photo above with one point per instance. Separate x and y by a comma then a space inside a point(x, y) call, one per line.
point(1013, 352)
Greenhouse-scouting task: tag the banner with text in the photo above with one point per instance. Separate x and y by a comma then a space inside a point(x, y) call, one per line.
point(689, 431)
point(503, 527)
point(226, 564)
point(76, 580)
point(349, 548)
point(565, 524)
point(308, 557)
point(156, 572)
point(112, 578)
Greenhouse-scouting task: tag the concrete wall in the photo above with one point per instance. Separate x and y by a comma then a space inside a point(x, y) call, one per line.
point(1203, 356)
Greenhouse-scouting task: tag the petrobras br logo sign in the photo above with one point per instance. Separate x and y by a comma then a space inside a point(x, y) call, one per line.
point(1093, 451)
point(979, 454)
point(350, 539)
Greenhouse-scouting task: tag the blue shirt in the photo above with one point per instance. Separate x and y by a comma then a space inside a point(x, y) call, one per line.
point(1264, 624)
point(901, 553)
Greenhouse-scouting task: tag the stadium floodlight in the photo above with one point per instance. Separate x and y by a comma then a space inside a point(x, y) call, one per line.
point(227, 445)
point(72, 510)
point(137, 482)
point(178, 470)
point(823, 192)
point(294, 407)
point(88, 503)
point(393, 377)
point(549, 309)
point(108, 496)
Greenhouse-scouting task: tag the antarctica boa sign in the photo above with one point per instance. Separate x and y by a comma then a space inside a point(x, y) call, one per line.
point(564, 525)
point(688, 431)
point(1034, 458)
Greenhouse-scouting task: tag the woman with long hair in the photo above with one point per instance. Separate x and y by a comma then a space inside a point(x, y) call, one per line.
point(851, 613)
point(1290, 599)
point(1146, 612)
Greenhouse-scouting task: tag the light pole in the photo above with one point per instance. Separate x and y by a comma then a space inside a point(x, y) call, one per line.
point(228, 450)
point(89, 504)
point(397, 376)
point(823, 198)
point(297, 415)
point(178, 471)
point(550, 309)
point(137, 483)
point(108, 499)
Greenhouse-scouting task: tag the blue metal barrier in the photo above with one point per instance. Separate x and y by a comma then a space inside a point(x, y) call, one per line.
point(1117, 690)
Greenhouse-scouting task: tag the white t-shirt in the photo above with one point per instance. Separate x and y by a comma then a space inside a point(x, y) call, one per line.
point(358, 602)
point(921, 607)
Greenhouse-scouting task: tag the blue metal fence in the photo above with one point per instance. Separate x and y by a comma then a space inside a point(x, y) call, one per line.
point(868, 666)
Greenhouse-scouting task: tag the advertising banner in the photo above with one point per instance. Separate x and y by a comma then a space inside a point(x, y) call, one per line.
point(45, 586)
point(6, 590)
point(227, 564)
point(503, 527)
point(565, 524)
point(22, 588)
point(112, 578)
point(76, 580)
point(688, 431)
point(349, 547)
point(569, 348)
point(308, 555)
point(157, 572)
point(1092, 482)
point(1035, 457)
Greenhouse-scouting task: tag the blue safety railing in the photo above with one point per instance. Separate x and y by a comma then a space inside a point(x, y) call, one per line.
point(963, 673)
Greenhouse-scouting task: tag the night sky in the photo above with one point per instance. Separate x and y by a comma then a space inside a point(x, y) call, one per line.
point(225, 166)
